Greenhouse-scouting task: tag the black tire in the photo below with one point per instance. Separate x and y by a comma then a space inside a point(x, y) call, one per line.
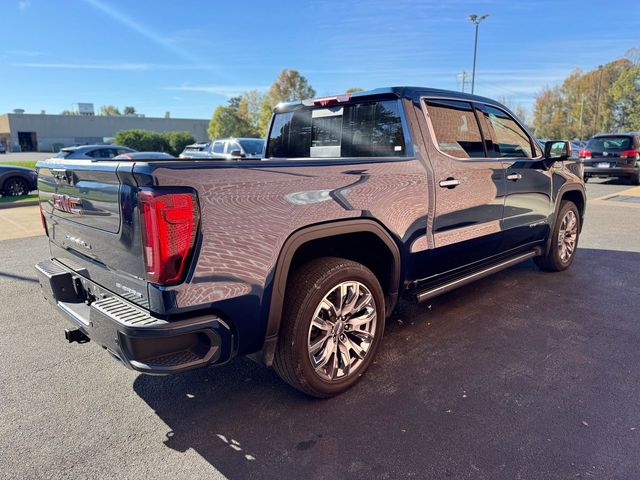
point(554, 261)
point(306, 288)
point(15, 187)
point(635, 179)
point(585, 179)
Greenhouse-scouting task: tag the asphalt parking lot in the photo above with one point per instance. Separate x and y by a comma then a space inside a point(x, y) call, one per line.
point(524, 375)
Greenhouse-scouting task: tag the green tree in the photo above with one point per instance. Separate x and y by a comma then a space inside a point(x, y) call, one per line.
point(128, 110)
point(142, 140)
point(625, 93)
point(228, 121)
point(109, 111)
point(354, 90)
point(68, 112)
point(289, 86)
point(249, 108)
point(176, 141)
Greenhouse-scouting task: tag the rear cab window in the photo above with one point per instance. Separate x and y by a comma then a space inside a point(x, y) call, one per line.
point(455, 128)
point(362, 129)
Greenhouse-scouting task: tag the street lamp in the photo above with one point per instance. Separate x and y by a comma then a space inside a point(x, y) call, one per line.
point(476, 20)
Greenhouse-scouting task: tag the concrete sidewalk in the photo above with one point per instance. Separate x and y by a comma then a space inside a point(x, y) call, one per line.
point(20, 222)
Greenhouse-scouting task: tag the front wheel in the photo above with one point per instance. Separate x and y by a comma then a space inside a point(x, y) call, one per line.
point(15, 187)
point(332, 326)
point(564, 239)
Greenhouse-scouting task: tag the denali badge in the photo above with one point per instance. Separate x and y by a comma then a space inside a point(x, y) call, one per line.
point(67, 204)
point(78, 241)
point(130, 291)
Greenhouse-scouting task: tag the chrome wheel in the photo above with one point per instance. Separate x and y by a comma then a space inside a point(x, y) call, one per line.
point(342, 330)
point(568, 236)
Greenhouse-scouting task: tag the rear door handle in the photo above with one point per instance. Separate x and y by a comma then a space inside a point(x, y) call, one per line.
point(449, 183)
point(514, 177)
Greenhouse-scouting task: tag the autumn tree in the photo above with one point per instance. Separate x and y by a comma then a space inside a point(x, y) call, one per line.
point(128, 110)
point(289, 86)
point(354, 90)
point(625, 93)
point(583, 105)
point(228, 121)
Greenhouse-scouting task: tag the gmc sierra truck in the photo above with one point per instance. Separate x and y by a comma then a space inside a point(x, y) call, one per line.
point(298, 258)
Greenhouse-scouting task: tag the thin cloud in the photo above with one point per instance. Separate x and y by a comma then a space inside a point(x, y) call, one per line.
point(143, 30)
point(24, 53)
point(112, 66)
point(24, 5)
point(223, 90)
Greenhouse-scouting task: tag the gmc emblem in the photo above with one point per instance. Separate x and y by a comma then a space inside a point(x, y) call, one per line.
point(67, 204)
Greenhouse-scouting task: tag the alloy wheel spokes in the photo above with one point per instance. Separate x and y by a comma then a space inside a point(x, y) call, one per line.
point(568, 236)
point(342, 330)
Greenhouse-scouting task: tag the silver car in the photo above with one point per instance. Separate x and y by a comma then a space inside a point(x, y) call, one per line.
point(230, 149)
point(93, 152)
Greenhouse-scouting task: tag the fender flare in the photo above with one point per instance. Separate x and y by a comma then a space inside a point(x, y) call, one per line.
point(290, 247)
point(568, 187)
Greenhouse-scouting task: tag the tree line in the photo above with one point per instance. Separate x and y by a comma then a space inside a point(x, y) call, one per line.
point(605, 99)
point(147, 141)
point(107, 111)
point(248, 115)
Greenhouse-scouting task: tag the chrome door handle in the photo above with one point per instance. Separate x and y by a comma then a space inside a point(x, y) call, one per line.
point(449, 183)
point(514, 177)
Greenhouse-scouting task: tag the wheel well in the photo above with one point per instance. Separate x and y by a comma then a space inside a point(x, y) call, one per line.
point(578, 199)
point(362, 247)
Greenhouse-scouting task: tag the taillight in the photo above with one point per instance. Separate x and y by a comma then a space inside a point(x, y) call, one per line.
point(44, 223)
point(169, 229)
point(630, 154)
point(584, 153)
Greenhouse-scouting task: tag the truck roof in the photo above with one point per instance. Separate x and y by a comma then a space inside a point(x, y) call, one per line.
point(400, 92)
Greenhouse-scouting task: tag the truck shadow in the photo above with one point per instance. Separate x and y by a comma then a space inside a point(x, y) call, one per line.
point(467, 386)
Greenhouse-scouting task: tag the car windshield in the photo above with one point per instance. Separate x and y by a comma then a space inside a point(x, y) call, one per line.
point(609, 144)
point(63, 153)
point(252, 147)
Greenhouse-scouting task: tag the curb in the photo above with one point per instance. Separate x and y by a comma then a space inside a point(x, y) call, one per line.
point(30, 203)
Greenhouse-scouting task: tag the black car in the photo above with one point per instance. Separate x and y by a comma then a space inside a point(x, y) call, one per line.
point(16, 181)
point(613, 155)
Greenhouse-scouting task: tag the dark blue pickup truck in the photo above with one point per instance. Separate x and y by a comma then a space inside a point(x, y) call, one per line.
point(298, 258)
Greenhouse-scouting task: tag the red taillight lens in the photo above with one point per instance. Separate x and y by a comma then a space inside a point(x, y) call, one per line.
point(327, 101)
point(169, 229)
point(629, 154)
point(584, 153)
point(44, 222)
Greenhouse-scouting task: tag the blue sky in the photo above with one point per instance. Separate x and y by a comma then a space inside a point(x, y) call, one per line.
point(188, 57)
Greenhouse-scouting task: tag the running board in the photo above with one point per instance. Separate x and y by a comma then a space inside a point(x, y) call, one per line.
point(433, 291)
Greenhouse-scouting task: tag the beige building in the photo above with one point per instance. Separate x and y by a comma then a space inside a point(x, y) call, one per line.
point(48, 133)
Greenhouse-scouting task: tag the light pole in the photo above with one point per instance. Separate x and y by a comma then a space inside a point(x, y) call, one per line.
point(595, 118)
point(476, 20)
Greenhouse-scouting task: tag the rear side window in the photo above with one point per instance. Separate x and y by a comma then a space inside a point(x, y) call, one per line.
point(104, 153)
point(456, 128)
point(218, 147)
point(510, 140)
point(371, 129)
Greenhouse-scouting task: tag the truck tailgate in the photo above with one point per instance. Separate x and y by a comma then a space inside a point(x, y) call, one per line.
point(91, 213)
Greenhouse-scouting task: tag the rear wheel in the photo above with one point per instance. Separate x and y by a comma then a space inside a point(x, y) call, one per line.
point(635, 179)
point(15, 187)
point(564, 239)
point(332, 325)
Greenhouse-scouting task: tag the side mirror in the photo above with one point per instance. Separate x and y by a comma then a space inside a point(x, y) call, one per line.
point(557, 150)
point(236, 154)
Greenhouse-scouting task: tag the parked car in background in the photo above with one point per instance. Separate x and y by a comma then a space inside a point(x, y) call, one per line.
point(195, 147)
point(298, 256)
point(144, 156)
point(230, 149)
point(3, 148)
point(16, 181)
point(92, 152)
point(612, 155)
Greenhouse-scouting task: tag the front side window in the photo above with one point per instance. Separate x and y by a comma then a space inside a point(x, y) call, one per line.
point(510, 140)
point(455, 128)
point(371, 129)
